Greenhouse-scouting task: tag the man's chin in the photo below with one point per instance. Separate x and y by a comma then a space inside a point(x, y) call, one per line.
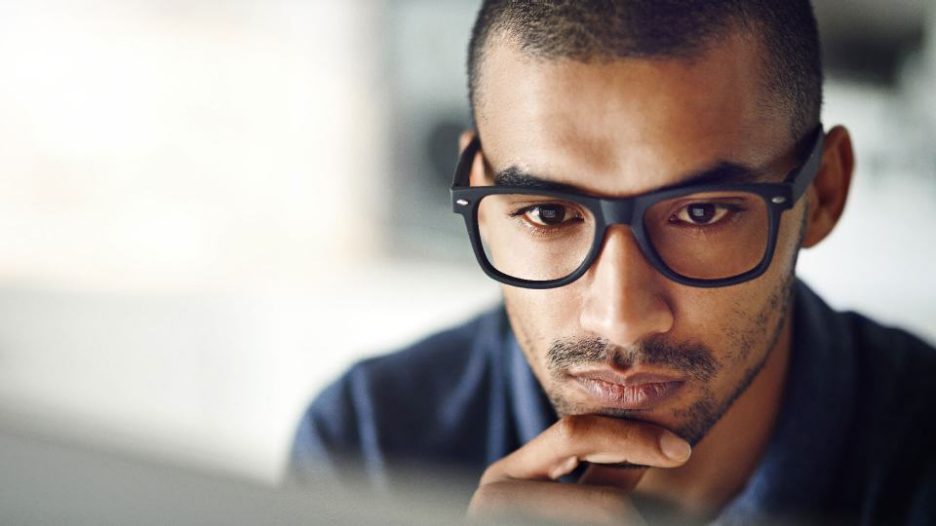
point(570, 408)
point(664, 415)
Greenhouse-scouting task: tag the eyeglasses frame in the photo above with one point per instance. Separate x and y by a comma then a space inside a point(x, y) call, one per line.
point(630, 211)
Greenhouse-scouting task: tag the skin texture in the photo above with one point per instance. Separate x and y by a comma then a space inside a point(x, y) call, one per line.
point(618, 128)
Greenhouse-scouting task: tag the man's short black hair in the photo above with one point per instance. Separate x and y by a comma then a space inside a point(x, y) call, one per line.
point(586, 30)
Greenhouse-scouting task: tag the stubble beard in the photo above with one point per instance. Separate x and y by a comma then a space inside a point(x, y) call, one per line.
point(696, 361)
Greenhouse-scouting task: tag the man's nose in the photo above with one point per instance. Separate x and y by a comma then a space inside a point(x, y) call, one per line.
point(623, 300)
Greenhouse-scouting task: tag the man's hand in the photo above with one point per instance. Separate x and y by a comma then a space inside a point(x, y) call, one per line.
point(524, 482)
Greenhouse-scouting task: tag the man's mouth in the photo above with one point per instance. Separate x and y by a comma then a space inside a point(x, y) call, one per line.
point(635, 391)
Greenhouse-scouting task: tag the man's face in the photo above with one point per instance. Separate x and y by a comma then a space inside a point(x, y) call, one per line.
point(620, 128)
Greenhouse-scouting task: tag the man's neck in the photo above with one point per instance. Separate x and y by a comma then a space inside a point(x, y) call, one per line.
point(725, 459)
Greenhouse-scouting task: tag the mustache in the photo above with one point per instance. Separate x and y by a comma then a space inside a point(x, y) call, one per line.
point(692, 359)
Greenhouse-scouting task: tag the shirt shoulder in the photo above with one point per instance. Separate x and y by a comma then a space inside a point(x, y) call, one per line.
point(426, 403)
point(896, 369)
point(895, 426)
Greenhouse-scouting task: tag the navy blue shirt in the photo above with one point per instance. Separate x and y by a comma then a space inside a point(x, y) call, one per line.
point(854, 440)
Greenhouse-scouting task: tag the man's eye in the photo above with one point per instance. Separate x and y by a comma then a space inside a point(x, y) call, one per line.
point(548, 214)
point(701, 214)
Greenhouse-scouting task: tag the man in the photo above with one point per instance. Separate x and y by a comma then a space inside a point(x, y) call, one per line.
point(641, 178)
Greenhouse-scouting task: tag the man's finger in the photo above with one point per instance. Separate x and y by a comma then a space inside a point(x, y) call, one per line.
point(591, 438)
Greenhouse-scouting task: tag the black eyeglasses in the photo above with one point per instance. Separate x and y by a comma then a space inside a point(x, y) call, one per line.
point(708, 235)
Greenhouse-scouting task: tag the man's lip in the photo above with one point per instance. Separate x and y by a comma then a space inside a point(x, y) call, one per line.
point(636, 391)
point(627, 380)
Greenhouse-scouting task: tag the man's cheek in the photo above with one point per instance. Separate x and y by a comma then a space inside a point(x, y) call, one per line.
point(543, 313)
point(702, 316)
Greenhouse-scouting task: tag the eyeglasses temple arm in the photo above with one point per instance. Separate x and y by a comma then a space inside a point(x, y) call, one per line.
point(807, 172)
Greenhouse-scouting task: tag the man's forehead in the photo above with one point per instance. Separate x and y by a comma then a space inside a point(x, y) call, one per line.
point(627, 125)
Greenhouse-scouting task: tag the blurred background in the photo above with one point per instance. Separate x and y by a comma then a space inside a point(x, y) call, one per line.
point(209, 209)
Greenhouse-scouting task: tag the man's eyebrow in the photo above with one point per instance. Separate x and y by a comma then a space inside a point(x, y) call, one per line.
point(724, 172)
point(514, 176)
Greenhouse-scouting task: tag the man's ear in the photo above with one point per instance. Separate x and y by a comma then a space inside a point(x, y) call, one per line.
point(478, 176)
point(829, 190)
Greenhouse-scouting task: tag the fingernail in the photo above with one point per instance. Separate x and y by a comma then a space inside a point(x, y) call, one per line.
point(675, 447)
point(564, 469)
